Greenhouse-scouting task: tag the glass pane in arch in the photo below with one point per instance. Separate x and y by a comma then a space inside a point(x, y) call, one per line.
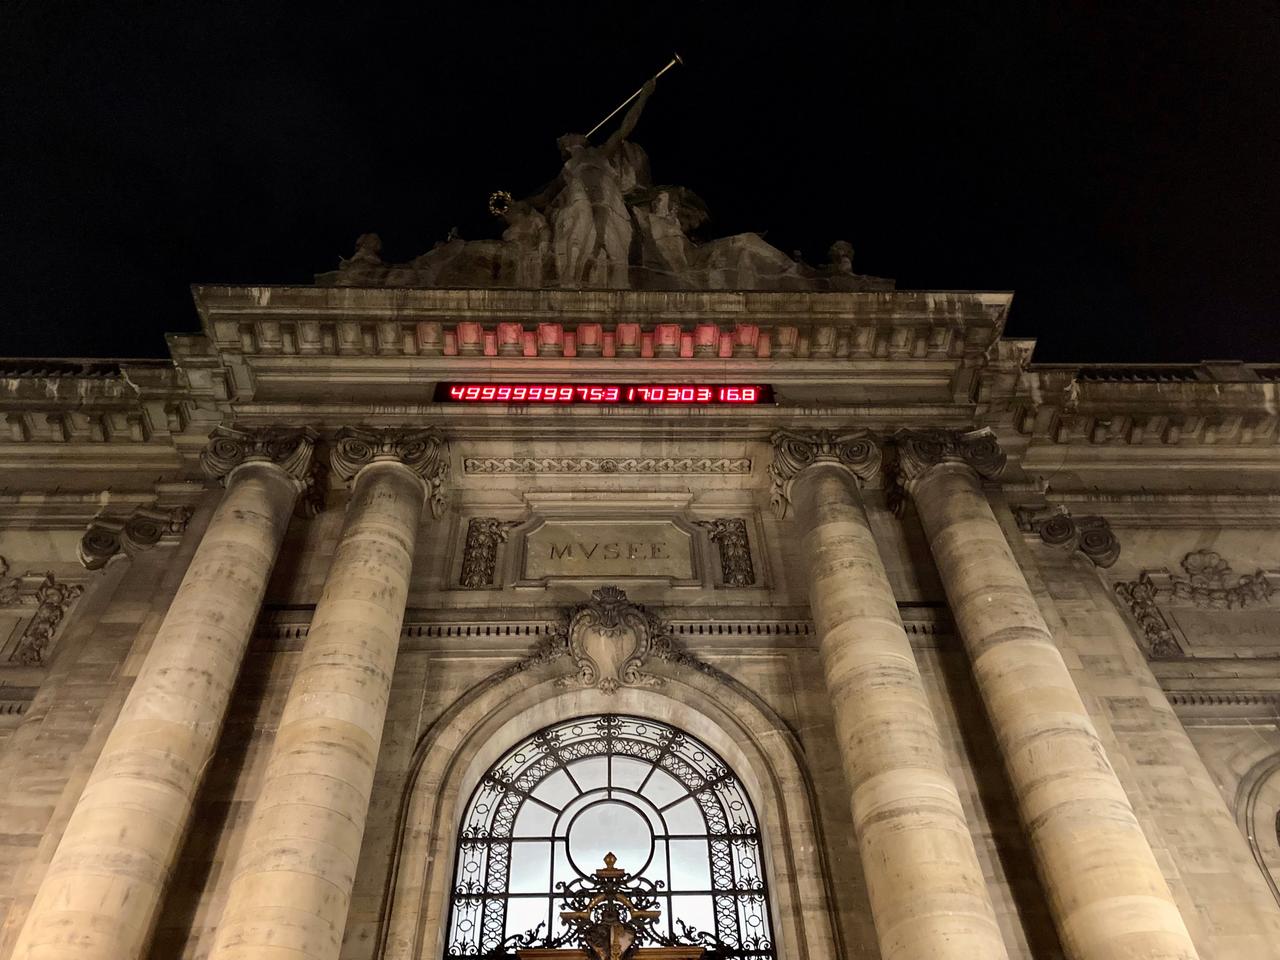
point(659, 799)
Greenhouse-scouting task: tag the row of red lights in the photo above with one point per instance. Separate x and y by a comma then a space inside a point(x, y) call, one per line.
point(600, 393)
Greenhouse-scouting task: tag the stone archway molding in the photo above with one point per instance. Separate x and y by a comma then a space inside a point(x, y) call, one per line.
point(491, 717)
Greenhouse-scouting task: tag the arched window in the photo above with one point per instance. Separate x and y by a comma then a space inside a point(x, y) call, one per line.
point(662, 802)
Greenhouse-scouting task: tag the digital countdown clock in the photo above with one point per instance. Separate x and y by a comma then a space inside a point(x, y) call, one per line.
point(607, 393)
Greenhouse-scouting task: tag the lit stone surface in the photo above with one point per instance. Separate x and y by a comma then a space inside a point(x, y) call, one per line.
point(927, 891)
point(1105, 888)
point(101, 892)
point(292, 883)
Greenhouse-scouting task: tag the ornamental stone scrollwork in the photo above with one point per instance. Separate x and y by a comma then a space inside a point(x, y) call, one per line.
point(108, 536)
point(422, 451)
point(730, 535)
point(291, 449)
point(1091, 535)
point(1206, 606)
point(480, 554)
point(858, 451)
point(51, 600)
point(1209, 583)
point(577, 465)
point(610, 640)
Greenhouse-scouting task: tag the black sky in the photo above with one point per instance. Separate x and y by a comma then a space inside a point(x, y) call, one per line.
point(1117, 165)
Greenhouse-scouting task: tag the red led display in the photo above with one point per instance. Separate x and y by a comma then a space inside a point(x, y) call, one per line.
point(615, 393)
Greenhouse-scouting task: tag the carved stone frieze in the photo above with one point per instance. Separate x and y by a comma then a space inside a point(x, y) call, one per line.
point(480, 554)
point(51, 600)
point(1209, 584)
point(576, 465)
point(730, 535)
point(141, 530)
point(858, 451)
point(1091, 535)
point(422, 451)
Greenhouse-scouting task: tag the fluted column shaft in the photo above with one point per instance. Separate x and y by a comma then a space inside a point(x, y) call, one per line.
point(1105, 889)
point(100, 896)
point(292, 883)
point(928, 896)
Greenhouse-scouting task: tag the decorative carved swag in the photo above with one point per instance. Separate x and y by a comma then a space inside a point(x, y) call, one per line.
point(730, 535)
point(51, 600)
point(1209, 583)
point(1091, 535)
point(480, 554)
point(141, 530)
point(610, 640)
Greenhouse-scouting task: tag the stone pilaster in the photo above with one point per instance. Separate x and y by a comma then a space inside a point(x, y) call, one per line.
point(1105, 889)
point(99, 897)
point(928, 895)
point(291, 886)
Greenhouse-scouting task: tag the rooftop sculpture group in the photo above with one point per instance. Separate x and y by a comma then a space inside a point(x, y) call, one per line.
point(602, 223)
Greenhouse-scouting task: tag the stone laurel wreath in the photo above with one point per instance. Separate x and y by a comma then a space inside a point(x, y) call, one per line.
point(422, 451)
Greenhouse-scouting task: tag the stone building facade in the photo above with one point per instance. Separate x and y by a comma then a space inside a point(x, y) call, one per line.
point(952, 653)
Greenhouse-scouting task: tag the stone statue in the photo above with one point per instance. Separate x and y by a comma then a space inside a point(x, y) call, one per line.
point(365, 265)
point(591, 226)
point(529, 237)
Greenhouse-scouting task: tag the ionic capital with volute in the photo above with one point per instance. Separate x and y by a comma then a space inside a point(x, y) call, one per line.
point(857, 451)
point(918, 450)
point(424, 452)
point(292, 449)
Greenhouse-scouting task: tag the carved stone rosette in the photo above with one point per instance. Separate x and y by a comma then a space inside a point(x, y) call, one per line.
point(1091, 535)
point(51, 600)
point(730, 535)
point(480, 554)
point(291, 449)
point(141, 530)
point(857, 451)
point(422, 451)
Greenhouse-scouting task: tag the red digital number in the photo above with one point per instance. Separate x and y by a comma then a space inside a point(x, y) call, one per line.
point(455, 392)
point(748, 394)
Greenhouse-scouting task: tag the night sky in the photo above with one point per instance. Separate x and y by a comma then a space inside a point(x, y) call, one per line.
point(1117, 165)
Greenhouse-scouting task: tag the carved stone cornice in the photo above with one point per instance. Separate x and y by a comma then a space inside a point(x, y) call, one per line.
point(141, 530)
point(858, 451)
point(289, 448)
point(51, 600)
point(480, 554)
point(1091, 535)
point(730, 535)
point(422, 451)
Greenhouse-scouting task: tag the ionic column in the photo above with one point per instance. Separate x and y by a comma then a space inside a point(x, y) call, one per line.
point(928, 896)
point(291, 886)
point(103, 888)
point(1105, 890)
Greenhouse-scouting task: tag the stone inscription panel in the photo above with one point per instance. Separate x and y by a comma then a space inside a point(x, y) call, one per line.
point(1248, 632)
point(606, 549)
